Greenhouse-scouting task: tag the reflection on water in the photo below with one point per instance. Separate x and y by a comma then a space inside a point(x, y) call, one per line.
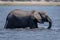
point(31, 34)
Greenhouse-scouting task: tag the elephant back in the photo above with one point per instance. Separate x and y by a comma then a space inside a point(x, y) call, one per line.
point(21, 13)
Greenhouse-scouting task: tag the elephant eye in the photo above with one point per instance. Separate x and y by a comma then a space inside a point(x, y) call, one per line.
point(39, 13)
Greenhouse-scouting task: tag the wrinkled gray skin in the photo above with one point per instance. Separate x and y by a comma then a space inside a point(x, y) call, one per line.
point(22, 19)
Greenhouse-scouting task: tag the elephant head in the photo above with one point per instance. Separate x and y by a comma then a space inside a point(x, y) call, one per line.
point(43, 17)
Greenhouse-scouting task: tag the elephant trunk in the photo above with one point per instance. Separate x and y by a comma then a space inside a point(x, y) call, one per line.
point(50, 22)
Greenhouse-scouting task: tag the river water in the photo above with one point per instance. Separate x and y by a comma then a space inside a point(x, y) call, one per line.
point(40, 33)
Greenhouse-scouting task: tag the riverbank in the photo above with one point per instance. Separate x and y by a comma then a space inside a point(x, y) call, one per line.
point(30, 3)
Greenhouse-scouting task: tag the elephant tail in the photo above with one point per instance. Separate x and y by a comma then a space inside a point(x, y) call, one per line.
point(5, 26)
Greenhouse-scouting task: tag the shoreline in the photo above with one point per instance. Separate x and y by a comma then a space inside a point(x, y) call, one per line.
point(27, 3)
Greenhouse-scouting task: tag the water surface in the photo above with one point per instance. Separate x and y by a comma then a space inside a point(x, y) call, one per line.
point(28, 34)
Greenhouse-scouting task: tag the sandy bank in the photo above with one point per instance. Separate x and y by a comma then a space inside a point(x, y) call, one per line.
point(30, 3)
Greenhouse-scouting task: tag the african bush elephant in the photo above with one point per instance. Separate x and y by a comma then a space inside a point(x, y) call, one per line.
point(22, 19)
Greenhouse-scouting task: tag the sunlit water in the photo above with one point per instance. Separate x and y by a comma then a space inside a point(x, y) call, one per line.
point(40, 33)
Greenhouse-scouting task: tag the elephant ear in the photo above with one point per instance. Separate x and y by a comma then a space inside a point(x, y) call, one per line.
point(43, 13)
point(37, 15)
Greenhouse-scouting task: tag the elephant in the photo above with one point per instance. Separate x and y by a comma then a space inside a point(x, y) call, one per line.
point(18, 18)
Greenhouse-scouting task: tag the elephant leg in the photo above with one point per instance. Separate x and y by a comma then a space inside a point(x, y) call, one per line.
point(33, 24)
point(36, 25)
